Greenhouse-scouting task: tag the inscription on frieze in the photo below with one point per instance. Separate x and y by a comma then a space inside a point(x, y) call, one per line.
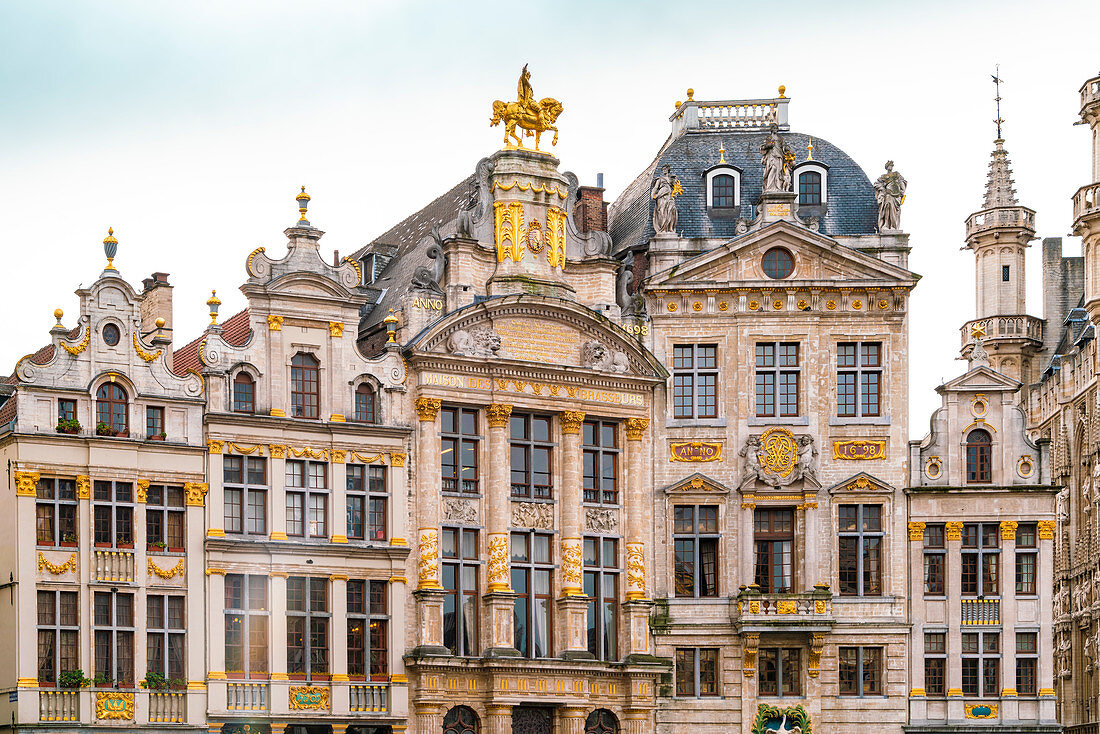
point(536, 340)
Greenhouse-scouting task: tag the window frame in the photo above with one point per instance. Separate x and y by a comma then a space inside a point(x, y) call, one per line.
point(979, 457)
point(710, 180)
point(987, 686)
point(1027, 559)
point(116, 508)
point(525, 569)
point(249, 617)
point(693, 536)
point(1027, 684)
point(369, 499)
point(312, 621)
point(464, 564)
point(59, 526)
point(462, 445)
point(694, 688)
point(114, 407)
point(157, 503)
point(368, 411)
point(772, 536)
point(305, 386)
point(860, 672)
point(934, 552)
point(239, 403)
point(782, 658)
point(811, 166)
point(862, 376)
point(154, 419)
point(307, 494)
point(166, 635)
point(368, 615)
point(767, 267)
point(977, 555)
point(765, 366)
point(595, 453)
point(686, 367)
point(935, 657)
point(530, 446)
point(65, 644)
point(115, 632)
point(246, 490)
point(599, 575)
point(66, 409)
point(861, 537)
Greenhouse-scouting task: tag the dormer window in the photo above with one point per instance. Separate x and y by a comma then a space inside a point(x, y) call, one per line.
point(304, 385)
point(244, 393)
point(811, 179)
point(112, 409)
point(723, 188)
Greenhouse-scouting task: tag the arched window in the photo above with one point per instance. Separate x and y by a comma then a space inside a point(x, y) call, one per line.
point(778, 263)
point(304, 393)
point(244, 393)
point(723, 192)
point(809, 188)
point(364, 404)
point(460, 720)
point(601, 721)
point(979, 457)
point(111, 408)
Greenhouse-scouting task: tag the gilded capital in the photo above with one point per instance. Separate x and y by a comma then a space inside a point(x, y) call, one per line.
point(214, 447)
point(26, 483)
point(953, 530)
point(274, 322)
point(916, 530)
point(571, 421)
point(196, 493)
point(635, 428)
point(1008, 529)
point(428, 408)
point(1046, 529)
point(498, 415)
point(142, 489)
point(83, 487)
point(397, 459)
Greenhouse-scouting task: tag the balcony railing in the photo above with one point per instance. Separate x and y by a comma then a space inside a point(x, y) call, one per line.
point(1004, 327)
point(811, 609)
point(167, 707)
point(58, 705)
point(1009, 216)
point(246, 697)
point(369, 697)
point(112, 565)
point(981, 611)
point(1086, 201)
point(731, 114)
point(1090, 94)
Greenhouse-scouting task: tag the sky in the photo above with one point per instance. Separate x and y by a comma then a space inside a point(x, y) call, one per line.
point(189, 127)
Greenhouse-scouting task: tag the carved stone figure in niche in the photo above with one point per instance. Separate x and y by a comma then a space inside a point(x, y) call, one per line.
point(777, 158)
point(1086, 492)
point(1062, 505)
point(753, 469)
point(1059, 602)
point(596, 356)
point(665, 188)
point(428, 277)
point(483, 342)
point(890, 195)
point(1090, 646)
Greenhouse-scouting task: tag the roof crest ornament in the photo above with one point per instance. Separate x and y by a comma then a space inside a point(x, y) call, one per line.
point(110, 249)
point(997, 84)
point(531, 116)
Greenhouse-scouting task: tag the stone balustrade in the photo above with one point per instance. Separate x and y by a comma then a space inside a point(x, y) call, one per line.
point(246, 697)
point(1004, 327)
point(112, 565)
point(732, 114)
point(167, 707)
point(58, 705)
point(1090, 92)
point(369, 698)
point(810, 610)
point(980, 611)
point(1008, 216)
point(1086, 202)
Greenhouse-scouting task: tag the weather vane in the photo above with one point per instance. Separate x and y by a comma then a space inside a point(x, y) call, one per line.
point(997, 84)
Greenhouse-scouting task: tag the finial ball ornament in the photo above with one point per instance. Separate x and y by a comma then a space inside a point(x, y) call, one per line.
point(160, 323)
point(58, 313)
point(782, 91)
point(691, 94)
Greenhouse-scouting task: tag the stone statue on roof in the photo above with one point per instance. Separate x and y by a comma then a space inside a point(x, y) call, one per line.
point(890, 195)
point(665, 188)
point(777, 158)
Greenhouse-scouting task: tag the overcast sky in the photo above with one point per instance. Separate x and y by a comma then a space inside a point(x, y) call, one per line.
point(188, 127)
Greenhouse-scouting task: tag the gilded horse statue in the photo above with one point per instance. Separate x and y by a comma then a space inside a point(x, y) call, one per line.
point(534, 118)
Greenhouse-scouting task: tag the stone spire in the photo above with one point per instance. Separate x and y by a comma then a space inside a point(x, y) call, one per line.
point(998, 186)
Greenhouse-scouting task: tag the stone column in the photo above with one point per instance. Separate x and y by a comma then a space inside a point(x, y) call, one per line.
point(429, 592)
point(638, 520)
point(215, 498)
point(1045, 580)
point(953, 536)
point(397, 480)
point(1010, 706)
point(277, 478)
point(573, 604)
point(498, 719)
point(499, 601)
point(277, 392)
point(429, 719)
point(637, 721)
point(572, 719)
point(340, 702)
point(339, 485)
point(279, 689)
point(918, 702)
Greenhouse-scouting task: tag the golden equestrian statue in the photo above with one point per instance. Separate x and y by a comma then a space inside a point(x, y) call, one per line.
point(533, 117)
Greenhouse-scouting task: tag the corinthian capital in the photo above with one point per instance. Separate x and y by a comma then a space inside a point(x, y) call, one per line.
point(427, 408)
point(571, 421)
point(498, 415)
point(635, 428)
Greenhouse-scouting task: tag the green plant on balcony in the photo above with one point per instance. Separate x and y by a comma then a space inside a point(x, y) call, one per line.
point(101, 680)
point(154, 681)
point(102, 429)
point(68, 425)
point(72, 679)
point(177, 684)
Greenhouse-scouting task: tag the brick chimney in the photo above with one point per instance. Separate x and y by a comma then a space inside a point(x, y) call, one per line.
point(590, 213)
point(156, 303)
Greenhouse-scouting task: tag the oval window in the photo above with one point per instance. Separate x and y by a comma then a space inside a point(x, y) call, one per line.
point(778, 263)
point(111, 335)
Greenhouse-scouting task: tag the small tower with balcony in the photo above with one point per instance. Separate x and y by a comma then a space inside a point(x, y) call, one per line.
point(999, 234)
point(1086, 202)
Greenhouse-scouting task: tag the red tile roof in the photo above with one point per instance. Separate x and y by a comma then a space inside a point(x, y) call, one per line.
point(8, 411)
point(235, 331)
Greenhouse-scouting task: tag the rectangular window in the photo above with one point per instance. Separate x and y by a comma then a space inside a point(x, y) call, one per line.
point(935, 560)
point(935, 664)
point(246, 626)
point(58, 634)
point(601, 586)
point(307, 496)
point(113, 514)
point(858, 379)
point(695, 550)
point(600, 470)
point(460, 614)
point(531, 451)
point(165, 635)
point(981, 556)
point(861, 542)
point(860, 671)
point(66, 410)
point(245, 494)
point(532, 581)
point(113, 631)
point(154, 422)
point(55, 512)
point(367, 498)
point(981, 664)
point(773, 535)
point(695, 381)
point(777, 374)
point(696, 671)
point(459, 444)
point(368, 621)
point(1005, 269)
point(779, 671)
point(1027, 559)
point(1027, 663)
point(164, 518)
point(307, 625)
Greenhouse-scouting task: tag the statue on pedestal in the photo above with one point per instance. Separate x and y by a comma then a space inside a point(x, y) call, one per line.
point(890, 195)
point(665, 188)
point(777, 158)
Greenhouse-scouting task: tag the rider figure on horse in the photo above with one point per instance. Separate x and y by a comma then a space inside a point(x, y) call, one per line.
point(527, 95)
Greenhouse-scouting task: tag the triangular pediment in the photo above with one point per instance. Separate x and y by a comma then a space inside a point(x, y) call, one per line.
point(697, 483)
point(980, 379)
point(818, 259)
point(861, 482)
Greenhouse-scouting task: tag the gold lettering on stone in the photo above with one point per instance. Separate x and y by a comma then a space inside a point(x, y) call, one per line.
point(539, 341)
point(695, 451)
point(779, 210)
point(463, 382)
point(432, 304)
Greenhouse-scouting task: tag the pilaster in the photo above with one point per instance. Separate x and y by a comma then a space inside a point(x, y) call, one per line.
point(277, 478)
point(1010, 705)
point(953, 534)
point(499, 601)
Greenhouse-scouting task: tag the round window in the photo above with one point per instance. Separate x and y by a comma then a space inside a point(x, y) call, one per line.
point(778, 263)
point(110, 335)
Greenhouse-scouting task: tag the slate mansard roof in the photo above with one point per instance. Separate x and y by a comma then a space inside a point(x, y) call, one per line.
point(852, 209)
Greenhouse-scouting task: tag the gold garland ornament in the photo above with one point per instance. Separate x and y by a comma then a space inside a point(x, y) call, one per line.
point(56, 568)
point(166, 573)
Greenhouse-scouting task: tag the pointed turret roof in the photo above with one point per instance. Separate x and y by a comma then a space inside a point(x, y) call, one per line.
point(998, 187)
